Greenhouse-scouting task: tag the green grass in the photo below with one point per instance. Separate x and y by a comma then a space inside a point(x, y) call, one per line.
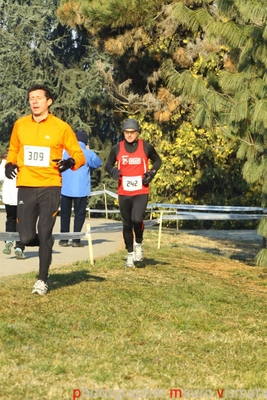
point(186, 319)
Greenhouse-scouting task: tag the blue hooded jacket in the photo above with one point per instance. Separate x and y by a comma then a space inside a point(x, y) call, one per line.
point(78, 183)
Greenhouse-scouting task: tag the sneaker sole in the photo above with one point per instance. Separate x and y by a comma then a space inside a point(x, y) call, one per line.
point(7, 249)
point(8, 252)
point(20, 256)
point(37, 292)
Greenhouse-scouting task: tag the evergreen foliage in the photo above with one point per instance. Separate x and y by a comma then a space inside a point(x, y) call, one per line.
point(136, 37)
point(170, 63)
point(199, 167)
point(35, 47)
point(192, 71)
point(241, 28)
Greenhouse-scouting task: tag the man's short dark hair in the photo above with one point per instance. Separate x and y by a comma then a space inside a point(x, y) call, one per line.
point(48, 93)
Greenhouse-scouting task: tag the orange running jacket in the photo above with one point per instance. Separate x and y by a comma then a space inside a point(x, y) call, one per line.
point(34, 145)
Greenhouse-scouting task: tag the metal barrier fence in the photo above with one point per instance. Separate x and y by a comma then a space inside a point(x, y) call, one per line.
point(174, 212)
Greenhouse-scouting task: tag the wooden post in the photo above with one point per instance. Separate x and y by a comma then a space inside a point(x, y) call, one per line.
point(160, 229)
point(90, 244)
point(105, 199)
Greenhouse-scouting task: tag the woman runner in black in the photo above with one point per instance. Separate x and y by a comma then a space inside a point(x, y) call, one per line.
point(131, 157)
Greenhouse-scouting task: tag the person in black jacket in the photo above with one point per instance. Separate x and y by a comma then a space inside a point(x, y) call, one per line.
point(128, 164)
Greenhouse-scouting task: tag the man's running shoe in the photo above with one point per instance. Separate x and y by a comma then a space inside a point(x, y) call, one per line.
point(138, 252)
point(130, 260)
point(40, 287)
point(8, 247)
point(19, 254)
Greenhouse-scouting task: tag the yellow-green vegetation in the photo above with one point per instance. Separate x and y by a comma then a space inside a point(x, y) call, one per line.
point(198, 167)
point(192, 316)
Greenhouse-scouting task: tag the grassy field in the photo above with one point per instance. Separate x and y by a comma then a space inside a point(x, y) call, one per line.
point(191, 318)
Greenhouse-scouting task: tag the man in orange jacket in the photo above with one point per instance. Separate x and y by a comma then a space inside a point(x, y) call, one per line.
point(35, 151)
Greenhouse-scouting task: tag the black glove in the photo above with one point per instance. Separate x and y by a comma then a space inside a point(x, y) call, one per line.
point(63, 165)
point(10, 170)
point(148, 176)
point(115, 173)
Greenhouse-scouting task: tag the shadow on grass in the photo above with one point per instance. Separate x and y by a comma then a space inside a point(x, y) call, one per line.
point(235, 245)
point(149, 262)
point(57, 280)
point(247, 256)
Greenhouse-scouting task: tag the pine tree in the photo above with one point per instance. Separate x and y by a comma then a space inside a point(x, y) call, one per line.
point(233, 97)
point(136, 38)
point(35, 47)
point(164, 66)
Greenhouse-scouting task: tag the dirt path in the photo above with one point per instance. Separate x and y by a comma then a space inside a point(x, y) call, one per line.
point(104, 243)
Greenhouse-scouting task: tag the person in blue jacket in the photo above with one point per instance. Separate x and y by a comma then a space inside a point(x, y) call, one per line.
point(76, 187)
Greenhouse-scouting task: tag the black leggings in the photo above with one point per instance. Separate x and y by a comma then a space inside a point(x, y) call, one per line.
point(11, 222)
point(38, 204)
point(132, 210)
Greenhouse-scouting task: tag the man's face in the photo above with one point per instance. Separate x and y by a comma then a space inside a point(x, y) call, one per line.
point(39, 103)
point(130, 135)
